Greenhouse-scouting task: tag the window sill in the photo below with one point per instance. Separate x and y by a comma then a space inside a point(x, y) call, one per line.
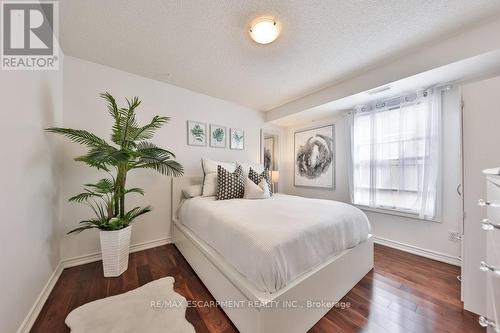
point(395, 212)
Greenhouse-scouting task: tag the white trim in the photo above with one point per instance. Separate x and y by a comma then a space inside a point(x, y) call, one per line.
point(395, 212)
point(32, 315)
point(96, 256)
point(442, 257)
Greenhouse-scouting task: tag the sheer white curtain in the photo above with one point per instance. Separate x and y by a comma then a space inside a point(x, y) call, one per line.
point(395, 154)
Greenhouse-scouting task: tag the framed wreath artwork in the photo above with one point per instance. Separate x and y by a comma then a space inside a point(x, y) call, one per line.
point(314, 160)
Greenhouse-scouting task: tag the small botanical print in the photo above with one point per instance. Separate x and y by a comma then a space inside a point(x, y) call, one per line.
point(217, 136)
point(237, 139)
point(197, 133)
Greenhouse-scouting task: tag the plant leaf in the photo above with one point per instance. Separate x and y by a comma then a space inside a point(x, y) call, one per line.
point(79, 136)
point(80, 229)
point(100, 157)
point(84, 196)
point(105, 185)
point(135, 190)
point(136, 212)
point(165, 167)
point(147, 132)
point(145, 148)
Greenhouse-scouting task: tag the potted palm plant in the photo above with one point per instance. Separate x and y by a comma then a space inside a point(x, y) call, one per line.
point(130, 149)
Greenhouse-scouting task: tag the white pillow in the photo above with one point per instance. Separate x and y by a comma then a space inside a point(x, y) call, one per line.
point(192, 191)
point(210, 171)
point(259, 168)
point(253, 191)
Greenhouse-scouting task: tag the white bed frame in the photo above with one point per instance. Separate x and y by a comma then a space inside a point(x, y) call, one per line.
point(329, 282)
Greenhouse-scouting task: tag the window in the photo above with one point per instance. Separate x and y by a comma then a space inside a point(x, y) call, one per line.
point(395, 154)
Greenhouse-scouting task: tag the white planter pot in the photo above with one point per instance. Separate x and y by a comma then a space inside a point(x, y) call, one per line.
point(115, 246)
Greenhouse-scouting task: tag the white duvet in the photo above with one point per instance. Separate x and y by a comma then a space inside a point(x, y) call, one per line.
point(273, 241)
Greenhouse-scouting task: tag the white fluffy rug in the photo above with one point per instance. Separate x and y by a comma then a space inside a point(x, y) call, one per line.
point(154, 307)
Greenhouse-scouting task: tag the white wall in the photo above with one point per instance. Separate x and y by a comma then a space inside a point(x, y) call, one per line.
point(430, 236)
point(83, 81)
point(481, 151)
point(30, 178)
point(341, 191)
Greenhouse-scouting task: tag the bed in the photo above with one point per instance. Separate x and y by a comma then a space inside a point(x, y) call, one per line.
point(306, 254)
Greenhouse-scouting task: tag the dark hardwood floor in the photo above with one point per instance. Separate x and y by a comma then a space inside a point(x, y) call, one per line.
point(403, 293)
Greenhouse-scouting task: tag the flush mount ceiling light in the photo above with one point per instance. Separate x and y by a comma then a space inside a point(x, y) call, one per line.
point(264, 30)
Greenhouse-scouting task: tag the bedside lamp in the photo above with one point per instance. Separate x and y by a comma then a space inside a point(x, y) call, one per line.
point(275, 176)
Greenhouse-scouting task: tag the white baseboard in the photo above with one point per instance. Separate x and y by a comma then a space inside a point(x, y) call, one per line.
point(96, 256)
point(28, 322)
point(419, 251)
point(40, 301)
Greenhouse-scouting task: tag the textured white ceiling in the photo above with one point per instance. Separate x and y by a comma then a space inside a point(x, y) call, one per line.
point(203, 45)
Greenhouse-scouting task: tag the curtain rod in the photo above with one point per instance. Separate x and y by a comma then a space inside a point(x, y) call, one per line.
point(439, 87)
